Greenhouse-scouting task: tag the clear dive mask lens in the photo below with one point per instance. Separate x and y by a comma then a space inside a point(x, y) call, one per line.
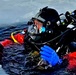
point(33, 31)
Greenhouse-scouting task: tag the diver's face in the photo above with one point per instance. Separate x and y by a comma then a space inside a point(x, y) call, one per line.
point(38, 24)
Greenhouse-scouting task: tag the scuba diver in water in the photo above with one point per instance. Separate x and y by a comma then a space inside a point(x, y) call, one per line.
point(47, 29)
point(66, 51)
point(50, 34)
point(42, 28)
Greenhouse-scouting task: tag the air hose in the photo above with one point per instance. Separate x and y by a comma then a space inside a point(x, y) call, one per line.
point(53, 38)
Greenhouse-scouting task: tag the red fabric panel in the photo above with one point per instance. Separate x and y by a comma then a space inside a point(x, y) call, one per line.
point(6, 42)
point(20, 38)
point(71, 57)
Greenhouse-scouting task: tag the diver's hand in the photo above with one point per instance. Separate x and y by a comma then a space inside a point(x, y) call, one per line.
point(49, 55)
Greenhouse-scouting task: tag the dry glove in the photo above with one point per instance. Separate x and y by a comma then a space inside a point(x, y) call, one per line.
point(49, 55)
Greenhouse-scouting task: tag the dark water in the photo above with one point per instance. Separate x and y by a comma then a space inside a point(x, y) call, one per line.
point(5, 31)
point(12, 11)
point(15, 61)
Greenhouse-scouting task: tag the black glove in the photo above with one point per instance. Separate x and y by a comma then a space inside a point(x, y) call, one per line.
point(67, 15)
point(71, 17)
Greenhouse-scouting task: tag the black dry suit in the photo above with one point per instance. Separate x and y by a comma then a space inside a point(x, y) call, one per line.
point(54, 36)
point(32, 48)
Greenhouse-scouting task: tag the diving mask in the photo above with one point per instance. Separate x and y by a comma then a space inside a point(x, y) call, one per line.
point(34, 32)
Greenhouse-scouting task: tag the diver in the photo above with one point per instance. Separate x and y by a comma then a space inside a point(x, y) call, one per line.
point(68, 40)
point(50, 34)
point(46, 28)
point(43, 27)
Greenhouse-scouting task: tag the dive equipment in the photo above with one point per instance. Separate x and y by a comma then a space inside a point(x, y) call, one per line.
point(20, 35)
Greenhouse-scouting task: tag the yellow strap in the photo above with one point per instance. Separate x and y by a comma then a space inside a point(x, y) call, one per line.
point(12, 36)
